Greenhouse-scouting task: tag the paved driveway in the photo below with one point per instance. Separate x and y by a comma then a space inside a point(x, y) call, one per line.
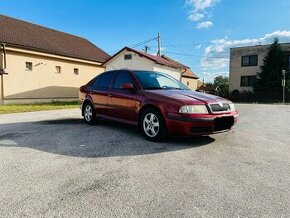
point(52, 164)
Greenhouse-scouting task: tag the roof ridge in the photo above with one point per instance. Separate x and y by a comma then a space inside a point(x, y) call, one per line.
point(41, 26)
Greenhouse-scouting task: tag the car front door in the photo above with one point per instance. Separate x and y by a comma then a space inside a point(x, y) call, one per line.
point(123, 102)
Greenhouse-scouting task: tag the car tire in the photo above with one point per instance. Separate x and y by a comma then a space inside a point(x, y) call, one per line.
point(89, 113)
point(152, 125)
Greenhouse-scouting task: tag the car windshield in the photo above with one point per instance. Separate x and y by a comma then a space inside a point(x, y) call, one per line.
point(155, 80)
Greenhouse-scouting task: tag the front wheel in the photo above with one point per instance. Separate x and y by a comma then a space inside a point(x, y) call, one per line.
point(153, 125)
point(89, 113)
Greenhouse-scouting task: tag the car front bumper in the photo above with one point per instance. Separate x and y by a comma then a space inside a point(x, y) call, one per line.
point(190, 125)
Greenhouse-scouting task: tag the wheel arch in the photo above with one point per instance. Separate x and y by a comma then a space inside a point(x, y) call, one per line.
point(145, 107)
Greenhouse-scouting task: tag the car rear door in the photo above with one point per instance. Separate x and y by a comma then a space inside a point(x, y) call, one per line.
point(99, 92)
point(123, 102)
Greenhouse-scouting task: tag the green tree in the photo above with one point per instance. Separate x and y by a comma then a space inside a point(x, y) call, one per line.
point(209, 84)
point(223, 83)
point(270, 76)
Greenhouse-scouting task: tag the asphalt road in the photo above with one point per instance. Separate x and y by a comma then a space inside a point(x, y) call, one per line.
point(52, 164)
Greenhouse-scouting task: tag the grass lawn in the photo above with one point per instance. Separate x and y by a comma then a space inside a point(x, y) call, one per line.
point(7, 109)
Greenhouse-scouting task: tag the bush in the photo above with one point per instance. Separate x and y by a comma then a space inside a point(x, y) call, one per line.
point(244, 96)
point(261, 97)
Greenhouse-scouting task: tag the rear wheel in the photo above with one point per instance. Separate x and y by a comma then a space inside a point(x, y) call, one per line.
point(89, 113)
point(152, 125)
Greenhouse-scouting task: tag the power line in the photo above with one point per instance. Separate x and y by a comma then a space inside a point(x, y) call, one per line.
point(177, 45)
point(189, 44)
point(142, 43)
point(136, 44)
point(201, 56)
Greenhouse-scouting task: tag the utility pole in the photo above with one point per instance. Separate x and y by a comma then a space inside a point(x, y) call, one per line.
point(2, 72)
point(159, 45)
point(146, 48)
point(283, 84)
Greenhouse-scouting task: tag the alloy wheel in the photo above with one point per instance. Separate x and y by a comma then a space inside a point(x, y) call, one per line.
point(151, 125)
point(88, 113)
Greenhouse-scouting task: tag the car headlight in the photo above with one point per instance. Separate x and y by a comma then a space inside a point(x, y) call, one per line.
point(232, 107)
point(193, 109)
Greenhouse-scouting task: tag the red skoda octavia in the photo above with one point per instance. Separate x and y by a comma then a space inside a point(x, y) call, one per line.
point(155, 102)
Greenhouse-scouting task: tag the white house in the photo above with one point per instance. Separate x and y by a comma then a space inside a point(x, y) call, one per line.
point(128, 58)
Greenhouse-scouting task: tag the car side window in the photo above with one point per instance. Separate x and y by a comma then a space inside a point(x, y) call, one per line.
point(104, 80)
point(121, 78)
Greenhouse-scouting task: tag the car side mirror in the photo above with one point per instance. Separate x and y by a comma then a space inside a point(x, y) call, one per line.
point(127, 86)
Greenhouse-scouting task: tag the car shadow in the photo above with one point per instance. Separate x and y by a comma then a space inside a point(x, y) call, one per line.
point(72, 137)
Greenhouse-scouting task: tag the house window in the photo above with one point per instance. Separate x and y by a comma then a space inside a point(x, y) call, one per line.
point(128, 57)
point(187, 83)
point(28, 66)
point(249, 60)
point(58, 69)
point(76, 71)
point(248, 80)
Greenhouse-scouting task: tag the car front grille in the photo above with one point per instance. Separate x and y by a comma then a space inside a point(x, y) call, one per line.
point(223, 123)
point(220, 107)
point(201, 129)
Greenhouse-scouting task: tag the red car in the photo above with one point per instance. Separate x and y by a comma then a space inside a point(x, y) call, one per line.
point(155, 102)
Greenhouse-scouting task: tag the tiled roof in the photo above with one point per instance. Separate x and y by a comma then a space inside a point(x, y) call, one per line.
point(188, 73)
point(24, 35)
point(157, 59)
point(174, 61)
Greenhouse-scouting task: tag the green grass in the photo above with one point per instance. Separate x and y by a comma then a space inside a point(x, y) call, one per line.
point(7, 109)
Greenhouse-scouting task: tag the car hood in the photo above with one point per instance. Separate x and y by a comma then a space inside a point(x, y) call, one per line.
point(188, 96)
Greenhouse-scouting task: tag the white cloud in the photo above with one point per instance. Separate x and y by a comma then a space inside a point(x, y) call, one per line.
point(198, 11)
point(195, 16)
point(200, 5)
point(198, 46)
point(208, 63)
point(204, 25)
point(216, 56)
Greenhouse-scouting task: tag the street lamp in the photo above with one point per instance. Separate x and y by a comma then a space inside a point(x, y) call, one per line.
point(283, 84)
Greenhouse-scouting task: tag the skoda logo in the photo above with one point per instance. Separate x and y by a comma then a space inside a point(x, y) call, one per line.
point(220, 104)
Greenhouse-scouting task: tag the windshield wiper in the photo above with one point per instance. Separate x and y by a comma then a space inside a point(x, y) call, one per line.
point(174, 88)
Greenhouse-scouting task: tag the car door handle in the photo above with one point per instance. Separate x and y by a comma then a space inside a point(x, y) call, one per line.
point(110, 95)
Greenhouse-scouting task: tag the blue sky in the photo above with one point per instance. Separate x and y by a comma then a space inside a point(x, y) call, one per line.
point(198, 33)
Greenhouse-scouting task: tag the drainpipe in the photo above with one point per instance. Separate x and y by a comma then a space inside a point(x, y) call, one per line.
point(184, 70)
point(2, 72)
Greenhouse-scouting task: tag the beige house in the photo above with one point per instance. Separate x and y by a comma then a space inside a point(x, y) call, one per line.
point(245, 62)
point(43, 64)
point(128, 58)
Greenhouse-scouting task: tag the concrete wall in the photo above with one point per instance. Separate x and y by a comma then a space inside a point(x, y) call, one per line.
point(236, 70)
point(140, 63)
point(42, 83)
point(189, 82)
